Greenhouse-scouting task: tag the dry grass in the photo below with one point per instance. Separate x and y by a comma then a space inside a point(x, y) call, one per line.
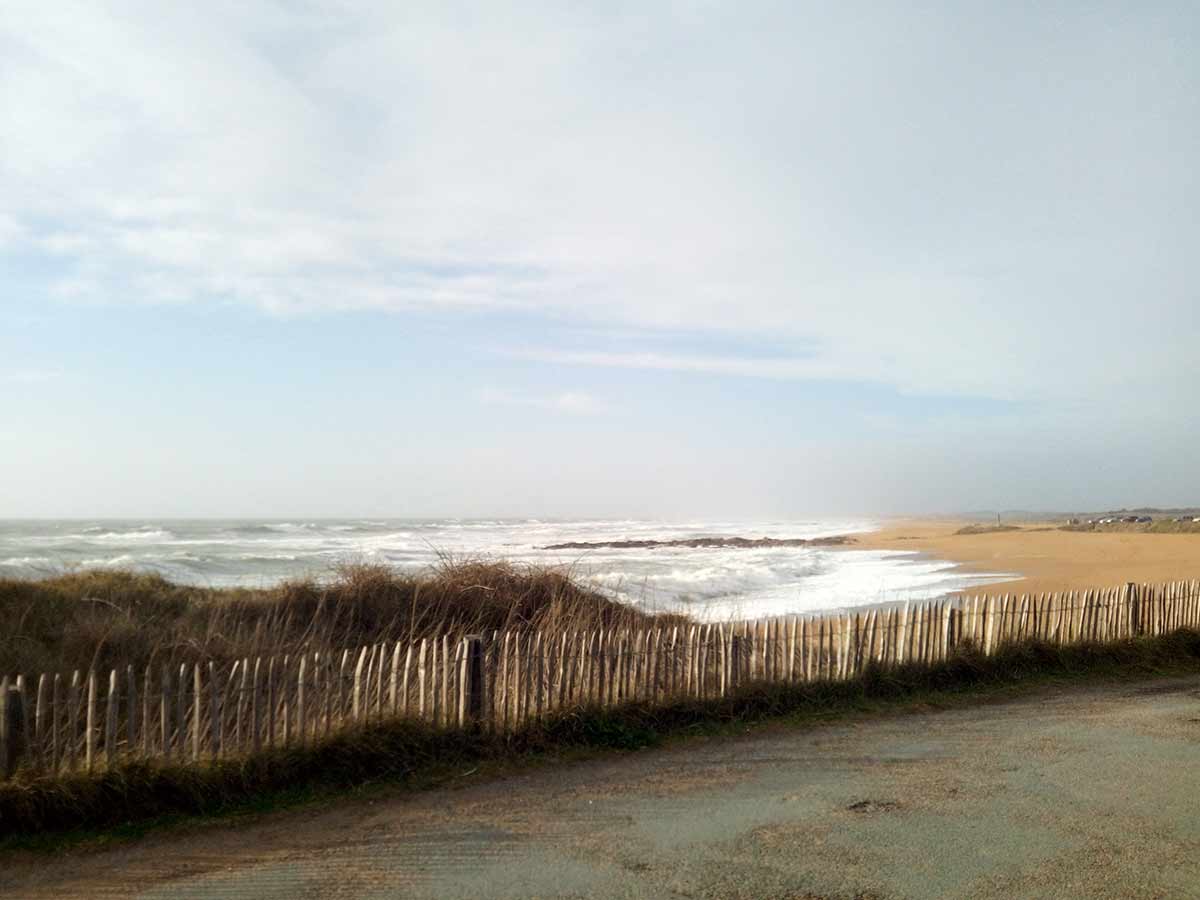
point(104, 619)
point(987, 529)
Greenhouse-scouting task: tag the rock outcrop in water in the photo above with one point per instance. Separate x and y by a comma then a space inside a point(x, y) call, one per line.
point(719, 543)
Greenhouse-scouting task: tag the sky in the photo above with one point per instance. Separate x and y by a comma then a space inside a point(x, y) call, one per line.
point(643, 259)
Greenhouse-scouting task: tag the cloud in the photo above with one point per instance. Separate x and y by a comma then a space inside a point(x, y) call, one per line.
point(576, 403)
point(10, 230)
point(979, 202)
point(747, 367)
point(29, 376)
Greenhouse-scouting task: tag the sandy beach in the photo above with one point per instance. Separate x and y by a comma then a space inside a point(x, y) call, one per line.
point(1045, 558)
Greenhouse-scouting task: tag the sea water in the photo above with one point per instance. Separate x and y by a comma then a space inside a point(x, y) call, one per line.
point(709, 583)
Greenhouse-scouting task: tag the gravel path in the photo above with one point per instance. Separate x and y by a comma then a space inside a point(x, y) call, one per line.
point(1088, 792)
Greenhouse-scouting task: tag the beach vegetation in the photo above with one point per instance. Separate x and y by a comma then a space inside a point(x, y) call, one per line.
point(105, 619)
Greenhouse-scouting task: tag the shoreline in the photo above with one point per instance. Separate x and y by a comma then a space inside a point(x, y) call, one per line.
point(1040, 556)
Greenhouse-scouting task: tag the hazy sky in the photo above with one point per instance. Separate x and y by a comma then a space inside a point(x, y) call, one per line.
point(644, 259)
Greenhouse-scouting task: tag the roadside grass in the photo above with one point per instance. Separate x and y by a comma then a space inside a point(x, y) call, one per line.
point(44, 814)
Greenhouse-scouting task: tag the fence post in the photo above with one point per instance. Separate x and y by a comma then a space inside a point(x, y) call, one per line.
point(474, 684)
point(12, 729)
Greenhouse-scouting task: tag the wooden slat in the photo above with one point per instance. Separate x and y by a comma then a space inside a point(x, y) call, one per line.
point(89, 737)
point(648, 660)
point(164, 711)
point(408, 654)
point(380, 668)
point(394, 684)
point(790, 666)
point(111, 702)
point(270, 707)
point(595, 688)
point(256, 706)
point(722, 648)
point(845, 623)
point(240, 726)
point(447, 672)
point(609, 680)
point(132, 714)
point(40, 712)
point(197, 711)
point(324, 705)
point(56, 707)
point(301, 697)
point(26, 711)
point(360, 668)
point(575, 668)
point(539, 674)
point(836, 660)
point(435, 677)
point(988, 614)
point(531, 671)
point(216, 712)
point(504, 674)
point(180, 712)
point(287, 684)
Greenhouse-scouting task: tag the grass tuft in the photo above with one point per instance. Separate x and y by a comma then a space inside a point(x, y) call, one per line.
point(110, 619)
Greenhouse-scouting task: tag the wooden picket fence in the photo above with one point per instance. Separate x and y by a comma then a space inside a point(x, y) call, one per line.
point(195, 712)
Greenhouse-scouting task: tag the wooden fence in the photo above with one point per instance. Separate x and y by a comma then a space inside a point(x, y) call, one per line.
point(200, 711)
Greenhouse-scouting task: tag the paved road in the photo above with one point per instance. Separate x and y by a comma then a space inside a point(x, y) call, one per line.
point(1088, 793)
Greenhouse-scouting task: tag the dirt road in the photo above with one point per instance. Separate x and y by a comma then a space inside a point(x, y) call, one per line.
point(1082, 793)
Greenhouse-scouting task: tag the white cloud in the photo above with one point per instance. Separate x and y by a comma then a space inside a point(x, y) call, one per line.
point(10, 230)
point(577, 403)
point(749, 367)
point(975, 203)
point(29, 376)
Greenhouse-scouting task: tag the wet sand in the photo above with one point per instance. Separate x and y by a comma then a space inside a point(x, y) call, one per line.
point(1045, 558)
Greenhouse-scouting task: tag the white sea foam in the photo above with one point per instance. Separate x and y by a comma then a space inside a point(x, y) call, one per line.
point(123, 561)
point(21, 562)
point(713, 582)
point(122, 537)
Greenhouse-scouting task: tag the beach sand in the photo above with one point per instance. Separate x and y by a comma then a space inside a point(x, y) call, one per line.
point(1047, 559)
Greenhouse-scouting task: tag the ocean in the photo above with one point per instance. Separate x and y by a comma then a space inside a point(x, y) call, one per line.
point(709, 583)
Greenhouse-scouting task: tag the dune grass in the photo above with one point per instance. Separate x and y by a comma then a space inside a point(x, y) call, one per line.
point(136, 795)
point(108, 619)
point(987, 529)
